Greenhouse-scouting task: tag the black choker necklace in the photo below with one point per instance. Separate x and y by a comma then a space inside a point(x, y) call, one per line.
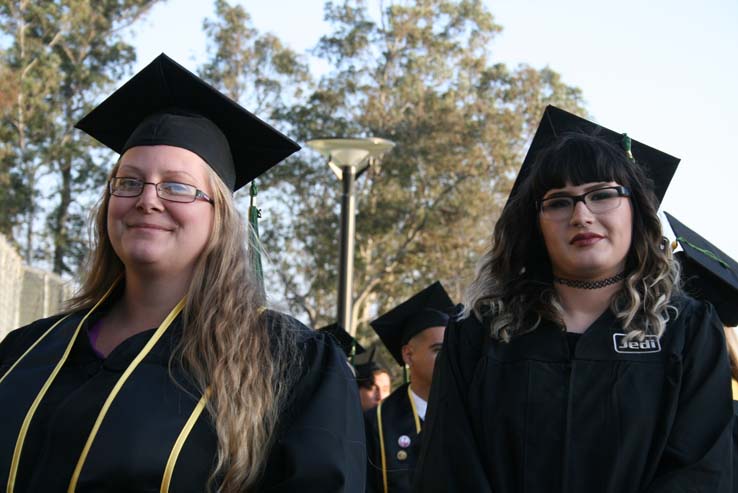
point(576, 283)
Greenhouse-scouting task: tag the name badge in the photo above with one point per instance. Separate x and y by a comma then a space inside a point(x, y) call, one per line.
point(650, 344)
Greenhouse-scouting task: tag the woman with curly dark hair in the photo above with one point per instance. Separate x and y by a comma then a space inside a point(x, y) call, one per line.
point(578, 365)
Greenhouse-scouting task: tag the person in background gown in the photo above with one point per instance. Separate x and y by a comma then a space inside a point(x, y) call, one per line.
point(375, 383)
point(413, 334)
point(578, 365)
point(168, 372)
point(709, 274)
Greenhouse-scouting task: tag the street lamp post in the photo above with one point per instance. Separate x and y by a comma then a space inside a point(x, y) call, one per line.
point(348, 158)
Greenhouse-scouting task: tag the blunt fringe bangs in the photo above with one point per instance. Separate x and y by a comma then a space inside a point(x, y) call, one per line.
point(579, 158)
point(513, 292)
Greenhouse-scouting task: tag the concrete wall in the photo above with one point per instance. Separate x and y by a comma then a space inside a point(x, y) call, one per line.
point(27, 293)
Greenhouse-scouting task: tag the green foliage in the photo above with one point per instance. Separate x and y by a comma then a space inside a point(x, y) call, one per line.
point(62, 57)
point(423, 76)
point(253, 68)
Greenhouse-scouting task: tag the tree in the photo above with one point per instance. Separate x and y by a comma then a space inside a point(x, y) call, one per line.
point(253, 68)
point(29, 75)
point(63, 56)
point(422, 75)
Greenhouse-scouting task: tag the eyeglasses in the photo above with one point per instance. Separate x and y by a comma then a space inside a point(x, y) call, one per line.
point(167, 190)
point(597, 201)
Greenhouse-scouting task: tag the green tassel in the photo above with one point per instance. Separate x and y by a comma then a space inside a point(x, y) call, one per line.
point(710, 254)
point(254, 245)
point(626, 143)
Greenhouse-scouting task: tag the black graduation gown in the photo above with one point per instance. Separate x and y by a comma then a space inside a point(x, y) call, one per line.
point(319, 445)
point(399, 430)
point(735, 439)
point(527, 416)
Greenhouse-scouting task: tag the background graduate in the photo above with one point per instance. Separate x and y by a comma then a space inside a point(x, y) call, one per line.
point(168, 373)
point(579, 366)
point(413, 334)
point(709, 274)
point(375, 383)
point(372, 380)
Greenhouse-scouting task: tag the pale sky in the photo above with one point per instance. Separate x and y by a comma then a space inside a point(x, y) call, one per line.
point(664, 71)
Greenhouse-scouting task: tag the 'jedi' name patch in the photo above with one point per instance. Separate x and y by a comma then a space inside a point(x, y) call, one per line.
point(650, 344)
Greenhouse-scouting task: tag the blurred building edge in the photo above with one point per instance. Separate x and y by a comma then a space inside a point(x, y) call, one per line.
point(27, 293)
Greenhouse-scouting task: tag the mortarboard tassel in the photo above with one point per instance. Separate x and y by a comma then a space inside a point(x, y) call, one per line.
point(710, 254)
point(254, 245)
point(626, 143)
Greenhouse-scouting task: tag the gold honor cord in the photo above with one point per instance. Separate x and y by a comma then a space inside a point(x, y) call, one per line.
point(381, 447)
point(415, 411)
point(179, 443)
point(32, 410)
point(33, 346)
point(118, 385)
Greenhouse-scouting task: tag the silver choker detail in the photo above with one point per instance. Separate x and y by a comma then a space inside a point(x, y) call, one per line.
point(601, 283)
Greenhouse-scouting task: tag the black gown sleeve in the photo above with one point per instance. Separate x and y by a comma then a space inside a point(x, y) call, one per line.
point(320, 446)
point(449, 459)
point(17, 341)
point(374, 460)
point(698, 455)
point(735, 446)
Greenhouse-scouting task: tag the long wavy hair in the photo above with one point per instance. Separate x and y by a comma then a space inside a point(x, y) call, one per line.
point(513, 288)
point(226, 343)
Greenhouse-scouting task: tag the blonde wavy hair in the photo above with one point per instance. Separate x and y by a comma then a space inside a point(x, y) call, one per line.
point(513, 288)
point(226, 342)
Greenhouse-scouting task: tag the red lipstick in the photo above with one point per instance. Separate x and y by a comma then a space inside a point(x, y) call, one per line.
point(585, 239)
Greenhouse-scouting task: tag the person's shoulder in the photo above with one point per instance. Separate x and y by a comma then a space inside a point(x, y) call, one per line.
point(17, 341)
point(392, 406)
point(689, 311)
point(691, 318)
point(684, 303)
point(465, 333)
point(279, 321)
point(305, 337)
point(315, 348)
point(399, 395)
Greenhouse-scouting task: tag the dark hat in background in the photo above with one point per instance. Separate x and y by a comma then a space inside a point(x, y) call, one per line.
point(430, 307)
point(365, 365)
point(658, 166)
point(165, 104)
point(345, 341)
point(707, 273)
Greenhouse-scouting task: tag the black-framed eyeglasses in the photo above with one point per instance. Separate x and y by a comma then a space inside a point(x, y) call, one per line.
point(173, 191)
point(599, 200)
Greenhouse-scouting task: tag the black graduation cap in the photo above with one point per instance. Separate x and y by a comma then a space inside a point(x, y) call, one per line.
point(365, 365)
point(429, 308)
point(167, 104)
point(707, 272)
point(659, 166)
point(348, 344)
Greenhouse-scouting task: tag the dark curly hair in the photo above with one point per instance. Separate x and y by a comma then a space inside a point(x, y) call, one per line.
point(513, 291)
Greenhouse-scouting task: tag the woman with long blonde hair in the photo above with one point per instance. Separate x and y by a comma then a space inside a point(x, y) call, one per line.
point(579, 366)
point(167, 372)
